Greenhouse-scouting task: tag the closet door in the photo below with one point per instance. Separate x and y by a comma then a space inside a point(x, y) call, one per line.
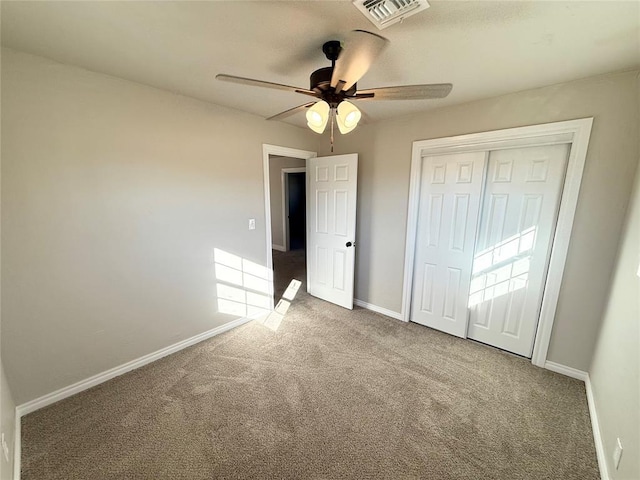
point(519, 215)
point(448, 215)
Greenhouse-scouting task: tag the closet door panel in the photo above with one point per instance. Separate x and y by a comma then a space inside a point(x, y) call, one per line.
point(448, 216)
point(517, 224)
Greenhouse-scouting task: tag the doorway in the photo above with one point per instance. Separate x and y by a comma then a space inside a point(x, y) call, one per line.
point(462, 217)
point(291, 264)
point(331, 197)
point(285, 213)
point(295, 208)
point(287, 180)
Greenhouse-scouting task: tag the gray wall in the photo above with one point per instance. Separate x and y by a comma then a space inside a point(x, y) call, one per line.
point(276, 164)
point(114, 197)
point(383, 188)
point(615, 369)
point(7, 406)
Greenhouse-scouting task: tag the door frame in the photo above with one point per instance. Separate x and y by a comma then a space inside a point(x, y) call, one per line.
point(280, 151)
point(284, 179)
point(574, 132)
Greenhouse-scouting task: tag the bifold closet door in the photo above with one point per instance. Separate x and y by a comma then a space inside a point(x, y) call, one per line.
point(448, 214)
point(519, 214)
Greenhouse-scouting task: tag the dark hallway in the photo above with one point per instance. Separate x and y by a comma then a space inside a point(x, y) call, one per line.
point(297, 210)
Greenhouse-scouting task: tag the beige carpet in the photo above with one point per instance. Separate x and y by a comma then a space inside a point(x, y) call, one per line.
point(331, 394)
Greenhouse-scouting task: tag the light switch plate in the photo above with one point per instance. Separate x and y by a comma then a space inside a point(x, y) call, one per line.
point(252, 224)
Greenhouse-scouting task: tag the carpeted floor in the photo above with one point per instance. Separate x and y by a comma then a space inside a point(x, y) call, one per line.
point(287, 266)
point(331, 394)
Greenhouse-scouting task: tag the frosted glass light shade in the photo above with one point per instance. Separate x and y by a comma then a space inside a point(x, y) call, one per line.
point(348, 117)
point(318, 116)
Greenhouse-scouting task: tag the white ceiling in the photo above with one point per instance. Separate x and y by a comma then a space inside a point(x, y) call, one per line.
point(484, 48)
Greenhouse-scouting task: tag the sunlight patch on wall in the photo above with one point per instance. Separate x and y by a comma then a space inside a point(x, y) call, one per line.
point(243, 287)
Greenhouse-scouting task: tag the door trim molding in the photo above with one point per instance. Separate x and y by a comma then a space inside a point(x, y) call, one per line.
point(575, 132)
point(281, 152)
point(285, 203)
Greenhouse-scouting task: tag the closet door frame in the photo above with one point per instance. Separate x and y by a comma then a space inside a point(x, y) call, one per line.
point(574, 132)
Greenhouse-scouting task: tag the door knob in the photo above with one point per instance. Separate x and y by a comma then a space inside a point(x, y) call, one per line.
point(349, 244)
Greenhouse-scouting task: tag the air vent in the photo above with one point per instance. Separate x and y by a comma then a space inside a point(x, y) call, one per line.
point(383, 13)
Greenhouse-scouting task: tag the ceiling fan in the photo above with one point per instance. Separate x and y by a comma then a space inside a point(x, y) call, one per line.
point(334, 88)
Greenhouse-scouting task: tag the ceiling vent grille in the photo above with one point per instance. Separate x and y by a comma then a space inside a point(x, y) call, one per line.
point(383, 13)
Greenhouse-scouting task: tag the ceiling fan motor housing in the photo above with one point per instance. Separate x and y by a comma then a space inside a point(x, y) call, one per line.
point(320, 81)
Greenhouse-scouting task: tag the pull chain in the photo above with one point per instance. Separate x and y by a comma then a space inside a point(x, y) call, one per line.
point(332, 114)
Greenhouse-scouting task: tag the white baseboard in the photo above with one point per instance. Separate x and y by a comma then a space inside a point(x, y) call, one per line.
point(597, 436)
point(375, 308)
point(87, 383)
point(17, 448)
point(280, 248)
point(593, 413)
point(568, 371)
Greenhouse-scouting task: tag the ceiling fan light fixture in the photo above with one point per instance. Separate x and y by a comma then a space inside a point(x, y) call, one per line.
point(318, 116)
point(331, 86)
point(347, 117)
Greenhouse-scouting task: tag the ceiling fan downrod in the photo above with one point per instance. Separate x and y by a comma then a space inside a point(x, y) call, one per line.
point(332, 50)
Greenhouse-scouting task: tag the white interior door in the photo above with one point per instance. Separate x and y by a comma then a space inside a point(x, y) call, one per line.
point(517, 224)
point(331, 227)
point(448, 215)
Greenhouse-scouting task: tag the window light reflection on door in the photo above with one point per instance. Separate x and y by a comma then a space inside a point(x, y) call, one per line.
point(502, 268)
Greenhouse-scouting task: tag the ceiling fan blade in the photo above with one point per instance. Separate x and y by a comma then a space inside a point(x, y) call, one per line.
point(261, 83)
point(406, 92)
point(360, 51)
point(365, 119)
point(291, 111)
